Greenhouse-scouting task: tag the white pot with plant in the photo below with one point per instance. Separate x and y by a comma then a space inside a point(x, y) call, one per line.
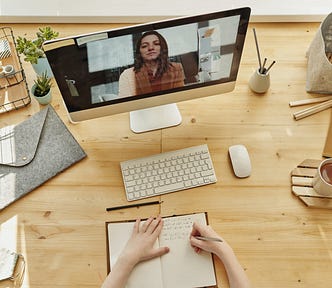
point(33, 52)
point(41, 89)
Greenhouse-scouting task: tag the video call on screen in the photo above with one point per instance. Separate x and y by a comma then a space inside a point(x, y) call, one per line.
point(90, 71)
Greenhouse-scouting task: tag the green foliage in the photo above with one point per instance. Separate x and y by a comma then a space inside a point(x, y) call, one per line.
point(43, 85)
point(32, 49)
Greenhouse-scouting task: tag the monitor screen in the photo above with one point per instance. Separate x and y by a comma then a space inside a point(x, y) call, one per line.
point(141, 68)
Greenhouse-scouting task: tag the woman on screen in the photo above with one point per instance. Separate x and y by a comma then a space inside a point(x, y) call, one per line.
point(152, 69)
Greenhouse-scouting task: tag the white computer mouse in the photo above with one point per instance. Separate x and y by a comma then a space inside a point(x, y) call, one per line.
point(240, 160)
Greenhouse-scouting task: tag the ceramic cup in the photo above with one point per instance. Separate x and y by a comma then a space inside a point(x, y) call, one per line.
point(9, 70)
point(322, 182)
point(259, 82)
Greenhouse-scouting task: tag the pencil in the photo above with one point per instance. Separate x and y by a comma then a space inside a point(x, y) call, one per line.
point(309, 101)
point(203, 238)
point(312, 110)
point(263, 66)
point(268, 68)
point(257, 48)
point(133, 205)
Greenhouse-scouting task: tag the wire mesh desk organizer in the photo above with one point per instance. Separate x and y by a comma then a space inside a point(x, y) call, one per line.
point(14, 91)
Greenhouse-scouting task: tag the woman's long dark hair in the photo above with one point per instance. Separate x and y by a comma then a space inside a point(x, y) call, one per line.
point(163, 62)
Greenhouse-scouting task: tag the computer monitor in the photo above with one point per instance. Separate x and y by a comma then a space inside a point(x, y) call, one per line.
point(145, 69)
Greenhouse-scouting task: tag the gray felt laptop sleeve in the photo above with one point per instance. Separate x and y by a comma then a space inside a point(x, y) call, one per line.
point(34, 151)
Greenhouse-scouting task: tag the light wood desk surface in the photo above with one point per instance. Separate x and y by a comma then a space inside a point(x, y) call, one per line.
point(60, 227)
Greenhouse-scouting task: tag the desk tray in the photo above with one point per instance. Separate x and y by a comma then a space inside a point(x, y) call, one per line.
point(14, 91)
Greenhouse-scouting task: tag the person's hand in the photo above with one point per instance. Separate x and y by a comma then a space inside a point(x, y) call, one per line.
point(208, 246)
point(140, 246)
point(236, 275)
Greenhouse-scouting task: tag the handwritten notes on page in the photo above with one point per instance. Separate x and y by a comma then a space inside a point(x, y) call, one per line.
point(181, 267)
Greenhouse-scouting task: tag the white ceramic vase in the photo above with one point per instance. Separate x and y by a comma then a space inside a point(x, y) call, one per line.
point(42, 66)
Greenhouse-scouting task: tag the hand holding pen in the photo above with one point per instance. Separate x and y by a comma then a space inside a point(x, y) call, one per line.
point(212, 242)
point(203, 237)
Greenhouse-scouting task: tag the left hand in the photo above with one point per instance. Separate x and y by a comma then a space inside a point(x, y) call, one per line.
point(140, 246)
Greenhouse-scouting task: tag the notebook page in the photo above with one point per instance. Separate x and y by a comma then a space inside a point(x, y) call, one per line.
point(145, 274)
point(182, 267)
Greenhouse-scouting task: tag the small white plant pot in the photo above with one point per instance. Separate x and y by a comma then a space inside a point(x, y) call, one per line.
point(43, 100)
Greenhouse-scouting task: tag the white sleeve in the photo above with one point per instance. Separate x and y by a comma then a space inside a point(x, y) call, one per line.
point(127, 83)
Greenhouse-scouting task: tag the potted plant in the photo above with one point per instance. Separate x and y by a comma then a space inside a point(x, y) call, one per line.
point(33, 52)
point(41, 89)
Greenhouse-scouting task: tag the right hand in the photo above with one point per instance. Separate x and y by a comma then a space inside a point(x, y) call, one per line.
point(235, 272)
point(209, 246)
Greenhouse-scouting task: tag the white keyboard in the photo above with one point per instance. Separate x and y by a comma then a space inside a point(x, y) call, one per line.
point(167, 172)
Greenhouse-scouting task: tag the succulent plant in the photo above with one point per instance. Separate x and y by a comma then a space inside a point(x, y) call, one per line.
point(32, 49)
point(42, 85)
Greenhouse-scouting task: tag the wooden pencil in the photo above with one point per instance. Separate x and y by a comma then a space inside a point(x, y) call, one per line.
point(309, 101)
point(312, 110)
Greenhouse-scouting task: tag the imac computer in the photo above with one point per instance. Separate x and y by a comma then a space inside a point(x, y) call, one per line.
point(146, 69)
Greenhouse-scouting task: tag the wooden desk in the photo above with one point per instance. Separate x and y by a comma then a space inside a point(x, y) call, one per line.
point(60, 227)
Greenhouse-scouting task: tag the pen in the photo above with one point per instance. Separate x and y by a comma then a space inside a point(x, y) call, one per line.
point(208, 238)
point(134, 205)
point(257, 48)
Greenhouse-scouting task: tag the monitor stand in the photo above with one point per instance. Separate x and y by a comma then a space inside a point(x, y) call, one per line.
point(155, 118)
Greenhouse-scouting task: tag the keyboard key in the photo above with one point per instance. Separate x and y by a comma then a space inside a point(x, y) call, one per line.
point(169, 188)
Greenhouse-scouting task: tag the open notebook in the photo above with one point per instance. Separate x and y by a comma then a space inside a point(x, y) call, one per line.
point(180, 268)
